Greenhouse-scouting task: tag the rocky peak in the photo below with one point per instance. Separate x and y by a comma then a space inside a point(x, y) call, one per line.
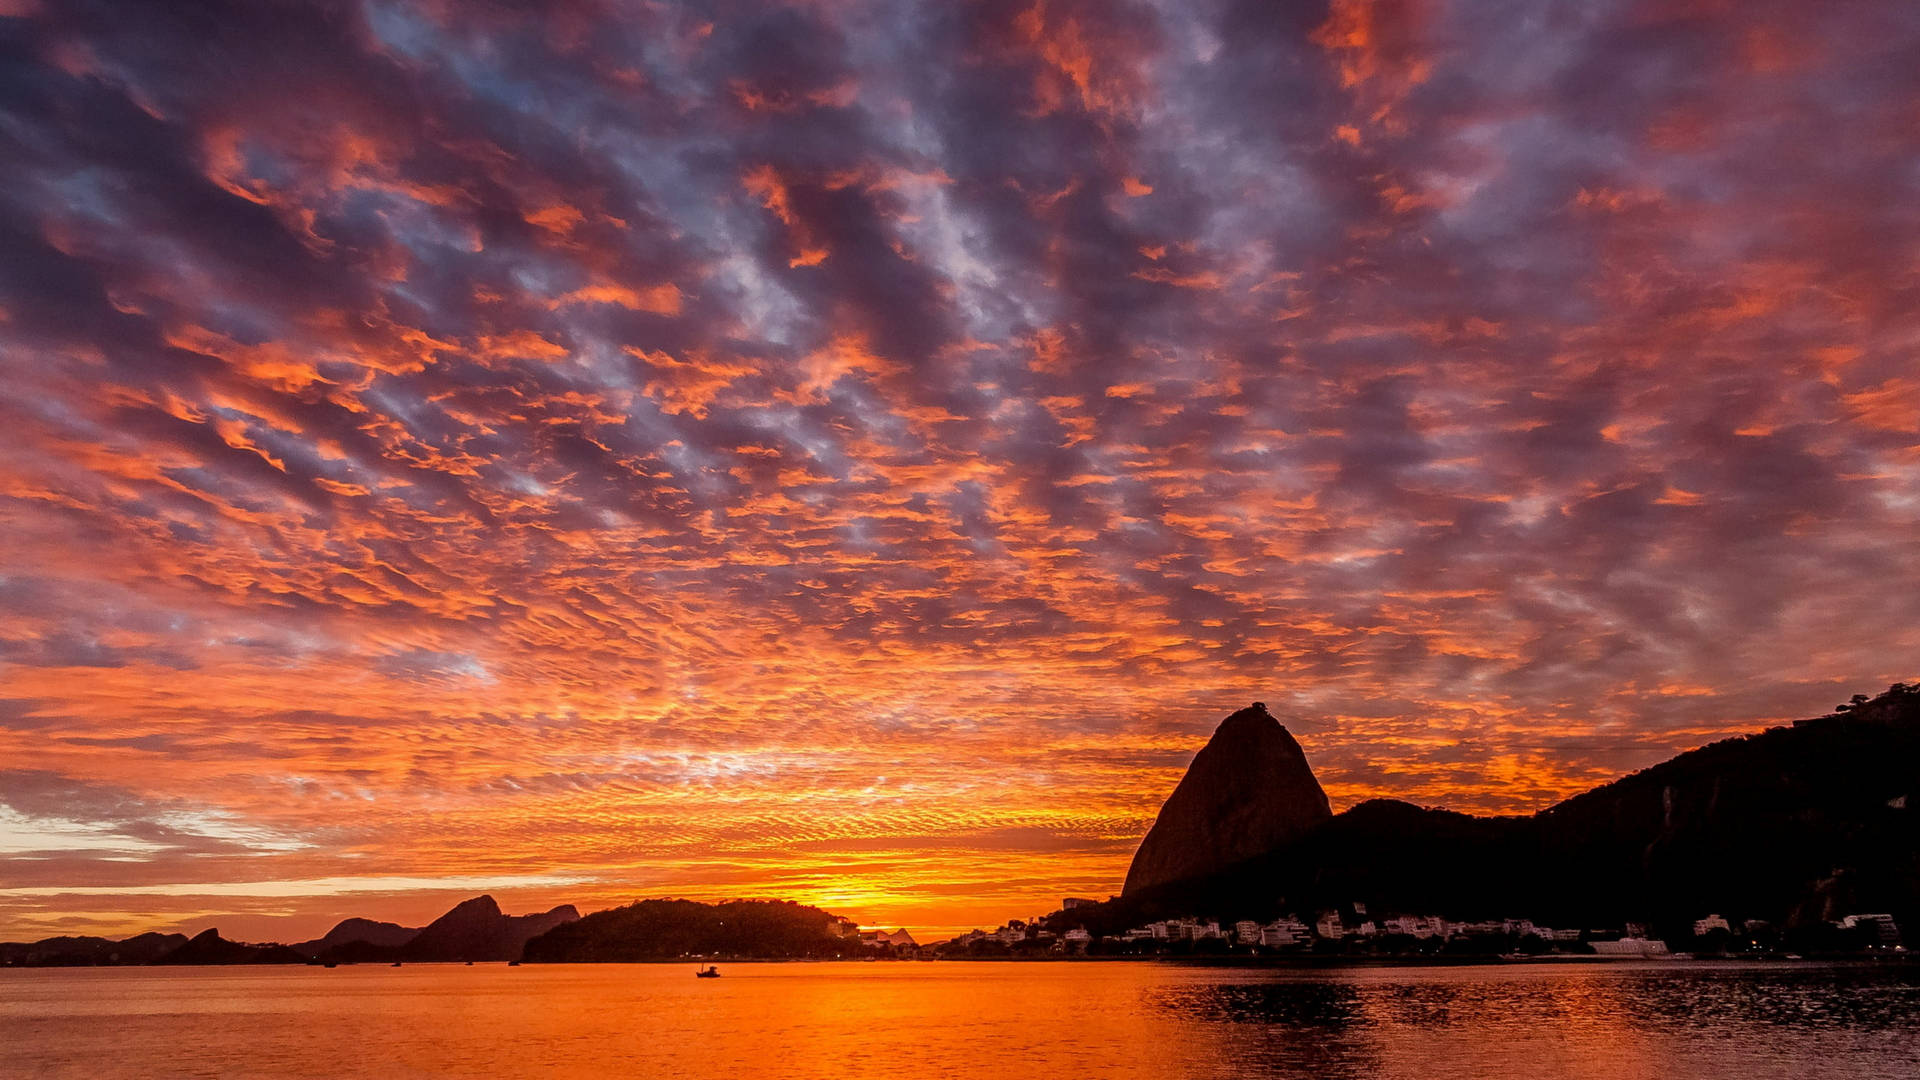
point(1248, 791)
point(480, 907)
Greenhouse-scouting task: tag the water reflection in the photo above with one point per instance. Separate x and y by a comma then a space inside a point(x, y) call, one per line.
point(1855, 998)
point(1593, 1022)
point(1313, 1005)
point(1122, 1021)
point(1308, 1028)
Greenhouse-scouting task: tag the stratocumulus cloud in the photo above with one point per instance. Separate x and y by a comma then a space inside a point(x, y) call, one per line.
point(854, 451)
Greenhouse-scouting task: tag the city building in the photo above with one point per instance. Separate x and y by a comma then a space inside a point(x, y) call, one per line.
point(1284, 932)
point(1418, 926)
point(1886, 931)
point(1709, 924)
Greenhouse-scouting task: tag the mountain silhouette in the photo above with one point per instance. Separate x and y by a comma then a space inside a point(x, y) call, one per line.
point(208, 947)
point(90, 951)
point(384, 935)
point(478, 930)
point(1248, 791)
point(475, 930)
point(1795, 825)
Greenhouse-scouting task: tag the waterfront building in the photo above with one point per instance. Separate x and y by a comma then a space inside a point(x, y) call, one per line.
point(1632, 948)
point(1709, 924)
point(1418, 926)
point(1886, 931)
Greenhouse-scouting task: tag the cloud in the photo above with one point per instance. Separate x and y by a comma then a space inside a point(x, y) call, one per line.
point(640, 447)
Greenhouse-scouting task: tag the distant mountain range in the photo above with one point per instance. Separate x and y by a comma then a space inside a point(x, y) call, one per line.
point(1794, 825)
point(208, 947)
point(382, 935)
point(474, 930)
point(477, 930)
point(90, 951)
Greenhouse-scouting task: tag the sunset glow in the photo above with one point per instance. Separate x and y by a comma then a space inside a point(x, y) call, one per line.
point(855, 452)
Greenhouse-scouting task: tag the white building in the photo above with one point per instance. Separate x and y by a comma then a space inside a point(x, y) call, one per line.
point(1418, 926)
point(1886, 931)
point(1246, 932)
point(1284, 932)
point(1709, 924)
point(1292, 926)
point(1329, 926)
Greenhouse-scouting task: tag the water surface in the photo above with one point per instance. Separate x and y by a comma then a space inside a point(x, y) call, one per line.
point(1611, 1021)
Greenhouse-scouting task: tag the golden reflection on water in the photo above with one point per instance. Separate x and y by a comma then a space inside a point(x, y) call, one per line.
point(964, 1020)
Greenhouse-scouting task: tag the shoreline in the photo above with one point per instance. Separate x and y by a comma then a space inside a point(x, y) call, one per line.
point(1300, 963)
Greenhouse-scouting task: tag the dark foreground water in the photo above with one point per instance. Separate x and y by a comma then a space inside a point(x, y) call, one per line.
point(1675, 1019)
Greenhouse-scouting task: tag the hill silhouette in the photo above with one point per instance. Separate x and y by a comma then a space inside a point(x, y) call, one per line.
point(348, 932)
point(478, 930)
point(475, 930)
point(667, 929)
point(90, 951)
point(208, 947)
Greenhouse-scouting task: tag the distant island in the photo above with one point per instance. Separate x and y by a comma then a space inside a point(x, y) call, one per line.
point(669, 929)
point(477, 931)
point(1800, 839)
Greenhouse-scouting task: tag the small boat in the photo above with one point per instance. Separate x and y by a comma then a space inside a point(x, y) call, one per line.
point(469, 963)
point(513, 963)
point(331, 964)
point(396, 963)
point(708, 972)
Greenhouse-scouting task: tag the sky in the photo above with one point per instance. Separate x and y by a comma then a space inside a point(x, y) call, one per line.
point(855, 452)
